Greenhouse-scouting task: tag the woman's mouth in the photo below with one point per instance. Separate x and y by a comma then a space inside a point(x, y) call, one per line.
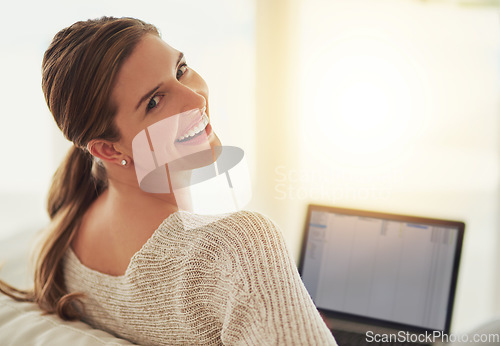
point(195, 130)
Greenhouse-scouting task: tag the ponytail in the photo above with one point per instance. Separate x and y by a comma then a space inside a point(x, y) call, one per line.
point(73, 189)
point(73, 183)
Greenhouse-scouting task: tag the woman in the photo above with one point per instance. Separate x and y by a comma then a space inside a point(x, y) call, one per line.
point(191, 280)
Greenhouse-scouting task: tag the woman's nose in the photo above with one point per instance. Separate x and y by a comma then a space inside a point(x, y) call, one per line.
point(193, 96)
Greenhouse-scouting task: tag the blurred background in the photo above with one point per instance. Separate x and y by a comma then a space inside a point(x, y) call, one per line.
point(387, 105)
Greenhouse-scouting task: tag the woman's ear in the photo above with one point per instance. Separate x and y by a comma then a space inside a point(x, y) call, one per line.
point(106, 151)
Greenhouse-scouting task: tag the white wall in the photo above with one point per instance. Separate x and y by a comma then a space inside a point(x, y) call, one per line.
point(217, 38)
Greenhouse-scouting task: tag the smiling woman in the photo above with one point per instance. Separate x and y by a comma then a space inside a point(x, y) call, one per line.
point(176, 90)
point(133, 261)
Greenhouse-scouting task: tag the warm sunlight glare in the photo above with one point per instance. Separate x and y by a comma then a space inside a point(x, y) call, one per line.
point(370, 96)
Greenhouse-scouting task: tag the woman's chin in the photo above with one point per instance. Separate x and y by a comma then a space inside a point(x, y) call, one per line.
point(214, 141)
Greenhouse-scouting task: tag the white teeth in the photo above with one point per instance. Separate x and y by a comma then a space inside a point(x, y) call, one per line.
point(197, 129)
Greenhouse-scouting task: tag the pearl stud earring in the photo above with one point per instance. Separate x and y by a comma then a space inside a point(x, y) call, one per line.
point(124, 162)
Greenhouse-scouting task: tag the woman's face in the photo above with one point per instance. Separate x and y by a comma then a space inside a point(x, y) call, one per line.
point(154, 84)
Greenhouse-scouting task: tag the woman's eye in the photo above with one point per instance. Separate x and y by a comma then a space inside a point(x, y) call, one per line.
point(153, 102)
point(182, 69)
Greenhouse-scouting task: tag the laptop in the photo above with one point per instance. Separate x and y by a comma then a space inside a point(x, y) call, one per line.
point(383, 277)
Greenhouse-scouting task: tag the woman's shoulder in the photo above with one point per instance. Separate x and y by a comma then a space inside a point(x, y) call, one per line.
point(196, 220)
point(237, 224)
point(192, 233)
point(185, 235)
point(247, 233)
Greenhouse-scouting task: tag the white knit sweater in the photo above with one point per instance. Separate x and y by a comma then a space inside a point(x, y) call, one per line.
point(204, 280)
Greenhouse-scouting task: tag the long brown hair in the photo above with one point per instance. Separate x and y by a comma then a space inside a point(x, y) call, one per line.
point(79, 70)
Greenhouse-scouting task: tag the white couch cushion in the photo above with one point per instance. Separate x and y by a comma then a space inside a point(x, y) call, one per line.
point(24, 324)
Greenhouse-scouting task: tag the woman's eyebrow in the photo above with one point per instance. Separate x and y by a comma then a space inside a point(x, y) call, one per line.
point(152, 91)
point(147, 95)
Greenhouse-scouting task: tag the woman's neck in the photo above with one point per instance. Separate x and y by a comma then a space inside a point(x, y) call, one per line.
point(125, 196)
point(131, 200)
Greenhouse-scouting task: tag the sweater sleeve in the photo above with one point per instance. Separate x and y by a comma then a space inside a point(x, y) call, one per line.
point(267, 302)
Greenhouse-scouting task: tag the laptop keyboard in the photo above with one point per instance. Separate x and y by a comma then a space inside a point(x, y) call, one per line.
point(345, 338)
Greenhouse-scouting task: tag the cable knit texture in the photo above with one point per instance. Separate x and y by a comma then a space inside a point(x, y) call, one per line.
point(211, 280)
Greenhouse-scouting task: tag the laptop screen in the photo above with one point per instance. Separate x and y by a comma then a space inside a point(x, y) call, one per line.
point(397, 270)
